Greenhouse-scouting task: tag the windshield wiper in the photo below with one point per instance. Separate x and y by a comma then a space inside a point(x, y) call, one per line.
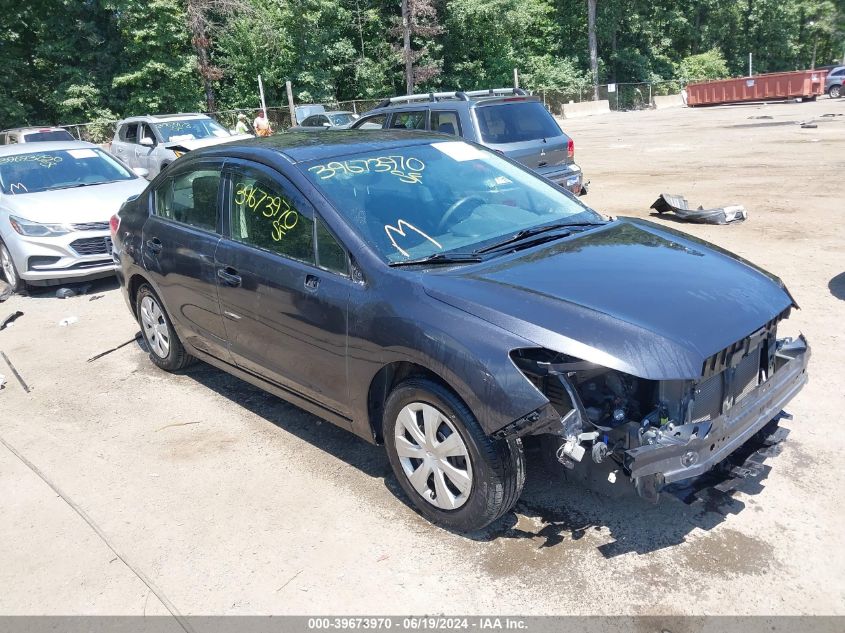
point(439, 258)
point(524, 234)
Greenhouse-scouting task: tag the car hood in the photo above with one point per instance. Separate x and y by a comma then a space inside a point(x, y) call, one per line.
point(631, 296)
point(196, 143)
point(94, 203)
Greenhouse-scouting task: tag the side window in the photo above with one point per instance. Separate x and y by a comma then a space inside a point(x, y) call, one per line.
point(322, 120)
point(408, 120)
point(190, 198)
point(265, 215)
point(445, 122)
point(12, 139)
point(330, 254)
point(147, 132)
point(310, 121)
point(129, 133)
point(375, 122)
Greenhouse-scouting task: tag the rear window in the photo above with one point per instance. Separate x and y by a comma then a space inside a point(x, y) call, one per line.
point(50, 135)
point(515, 122)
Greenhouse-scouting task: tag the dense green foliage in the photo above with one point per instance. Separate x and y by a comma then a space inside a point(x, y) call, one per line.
point(81, 60)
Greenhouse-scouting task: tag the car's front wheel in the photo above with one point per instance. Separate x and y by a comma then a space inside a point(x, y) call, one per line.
point(835, 92)
point(455, 474)
point(10, 272)
point(165, 348)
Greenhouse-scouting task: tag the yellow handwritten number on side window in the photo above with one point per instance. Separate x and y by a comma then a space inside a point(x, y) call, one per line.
point(284, 218)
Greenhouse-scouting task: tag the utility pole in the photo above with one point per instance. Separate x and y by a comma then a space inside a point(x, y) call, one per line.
point(750, 69)
point(515, 78)
point(406, 36)
point(289, 89)
point(594, 55)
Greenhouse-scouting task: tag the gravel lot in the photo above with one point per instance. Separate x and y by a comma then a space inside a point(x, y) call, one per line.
point(228, 501)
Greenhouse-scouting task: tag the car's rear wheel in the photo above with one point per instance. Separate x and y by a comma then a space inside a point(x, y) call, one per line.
point(454, 474)
point(165, 348)
point(835, 92)
point(10, 272)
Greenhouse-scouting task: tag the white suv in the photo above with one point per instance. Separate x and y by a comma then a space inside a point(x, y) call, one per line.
point(152, 142)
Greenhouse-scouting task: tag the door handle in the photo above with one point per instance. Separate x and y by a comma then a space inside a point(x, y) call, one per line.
point(229, 276)
point(154, 246)
point(312, 282)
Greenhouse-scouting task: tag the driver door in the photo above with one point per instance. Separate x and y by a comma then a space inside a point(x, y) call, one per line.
point(146, 155)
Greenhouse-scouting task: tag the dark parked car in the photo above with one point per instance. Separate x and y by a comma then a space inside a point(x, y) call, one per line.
point(339, 120)
point(506, 120)
point(440, 298)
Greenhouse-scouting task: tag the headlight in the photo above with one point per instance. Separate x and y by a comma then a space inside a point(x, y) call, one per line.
point(36, 229)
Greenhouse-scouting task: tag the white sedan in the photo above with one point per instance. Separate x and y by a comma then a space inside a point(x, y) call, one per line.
point(56, 199)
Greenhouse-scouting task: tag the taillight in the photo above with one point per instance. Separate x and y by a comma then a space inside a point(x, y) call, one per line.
point(114, 224)
point(570, 149)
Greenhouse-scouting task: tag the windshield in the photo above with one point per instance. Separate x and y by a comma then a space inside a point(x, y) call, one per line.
point(49, 135)
point(340, 119)
point(58, 169)
point(190, 129)
point(516, 122)
point(421, 200)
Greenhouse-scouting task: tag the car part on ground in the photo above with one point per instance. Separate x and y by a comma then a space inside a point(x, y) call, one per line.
point(322, 269)
point(720, 215)
point(10, 319)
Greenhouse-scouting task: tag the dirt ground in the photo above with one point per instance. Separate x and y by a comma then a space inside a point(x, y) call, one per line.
point(199, 494)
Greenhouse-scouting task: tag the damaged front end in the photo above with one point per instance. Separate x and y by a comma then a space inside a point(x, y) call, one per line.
point(658, 432)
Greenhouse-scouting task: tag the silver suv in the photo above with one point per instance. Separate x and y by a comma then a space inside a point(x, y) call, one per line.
point(152, 142)
point(506, 120)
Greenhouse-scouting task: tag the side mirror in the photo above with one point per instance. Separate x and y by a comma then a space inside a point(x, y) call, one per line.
point(327, 124)
point(147, 141)
point(141, 172)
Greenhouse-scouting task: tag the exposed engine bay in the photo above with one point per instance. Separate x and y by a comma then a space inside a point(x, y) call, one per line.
point(660, 432)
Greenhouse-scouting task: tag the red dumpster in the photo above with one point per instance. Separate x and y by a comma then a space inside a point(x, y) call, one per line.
point(807, 84)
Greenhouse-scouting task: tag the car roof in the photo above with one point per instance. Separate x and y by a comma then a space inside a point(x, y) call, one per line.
point(47, 146)
point(300, 147)
point(33, 128)
point(158, 118)
point(452, 100)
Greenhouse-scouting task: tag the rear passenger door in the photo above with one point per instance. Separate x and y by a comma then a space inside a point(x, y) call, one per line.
point(179, 241)
point(445, 122)
point(284, 286)
point(409, 120)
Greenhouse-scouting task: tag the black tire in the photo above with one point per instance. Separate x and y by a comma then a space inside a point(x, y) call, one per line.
point(834, 92)
point(9, 270)
point(176, 357)
point(497, 466)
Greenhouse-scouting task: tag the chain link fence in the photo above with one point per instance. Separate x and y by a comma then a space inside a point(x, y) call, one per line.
point(620, 96)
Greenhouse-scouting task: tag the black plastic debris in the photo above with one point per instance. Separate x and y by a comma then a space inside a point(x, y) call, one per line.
point(67, 292)
point(5, 322)
point(678, 204)
point(809, 126)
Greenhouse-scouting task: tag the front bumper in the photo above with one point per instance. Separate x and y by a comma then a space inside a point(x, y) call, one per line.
point(569, 177)
point(75, 255)
point(699, 447)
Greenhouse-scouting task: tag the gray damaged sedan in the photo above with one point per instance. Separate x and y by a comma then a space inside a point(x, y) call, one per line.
point(446, 301)
point(56, 199)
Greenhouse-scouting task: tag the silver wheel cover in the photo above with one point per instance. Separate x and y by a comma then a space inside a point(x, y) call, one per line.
point(433, 456)
point(7, 265)
point(155, 327)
